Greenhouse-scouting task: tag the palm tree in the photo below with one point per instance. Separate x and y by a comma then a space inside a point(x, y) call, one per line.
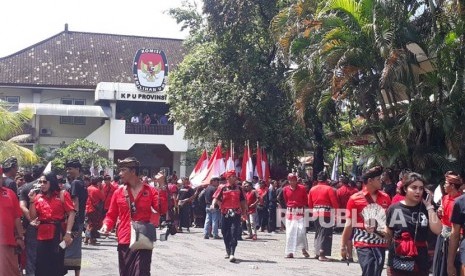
point(11, 124)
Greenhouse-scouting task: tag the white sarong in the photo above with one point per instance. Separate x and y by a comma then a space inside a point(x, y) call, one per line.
point(296, 234)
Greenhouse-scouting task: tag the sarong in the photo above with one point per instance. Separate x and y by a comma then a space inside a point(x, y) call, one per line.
point(323, 236)
point(296, 232)
point(73, 253)
point(185, 216)
point(8, 261)
point(94, 223)
point(371, 260)
point(133, 262)
point(50, 256)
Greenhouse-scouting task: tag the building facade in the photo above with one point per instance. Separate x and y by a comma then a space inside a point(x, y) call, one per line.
point(81, 85)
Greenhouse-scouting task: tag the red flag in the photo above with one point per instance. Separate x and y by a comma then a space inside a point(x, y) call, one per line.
point(247, 166)
point(215, 166)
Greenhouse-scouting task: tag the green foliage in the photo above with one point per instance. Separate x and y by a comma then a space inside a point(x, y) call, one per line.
point(230, 85)
point(370, 83)
point(11, 124)
point(83, 150)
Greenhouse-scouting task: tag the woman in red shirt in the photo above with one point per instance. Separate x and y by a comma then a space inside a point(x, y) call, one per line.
point(49, 209)
point(142, 199)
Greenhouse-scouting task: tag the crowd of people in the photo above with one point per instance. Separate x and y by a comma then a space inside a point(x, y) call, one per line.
point(47, 218)
point(148, 119)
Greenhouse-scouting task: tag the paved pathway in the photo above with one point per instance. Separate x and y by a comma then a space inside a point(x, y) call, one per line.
point(190, 254)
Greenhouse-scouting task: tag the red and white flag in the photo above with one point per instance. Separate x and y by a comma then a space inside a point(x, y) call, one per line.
point(200, 168)
point(258, 164)
point(265, 166)
point(230, 159)
point(247, 166)
point(215, 167)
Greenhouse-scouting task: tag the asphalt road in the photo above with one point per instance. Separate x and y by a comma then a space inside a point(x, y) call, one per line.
point(190, 254)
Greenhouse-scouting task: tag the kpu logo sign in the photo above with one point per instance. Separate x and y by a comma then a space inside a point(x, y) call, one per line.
point(150, 70)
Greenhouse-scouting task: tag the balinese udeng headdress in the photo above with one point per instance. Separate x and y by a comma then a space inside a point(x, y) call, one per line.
point(453, 179)
point(129, 162)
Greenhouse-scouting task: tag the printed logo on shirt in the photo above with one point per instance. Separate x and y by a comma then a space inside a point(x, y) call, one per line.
point(423, 220)
point(145, 193)
point(4, 194)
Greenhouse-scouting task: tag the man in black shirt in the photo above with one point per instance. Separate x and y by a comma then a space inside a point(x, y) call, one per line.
point(30, 237)
point(10, 168)
point(458, 224)
point(78, 192)
point(212, 219)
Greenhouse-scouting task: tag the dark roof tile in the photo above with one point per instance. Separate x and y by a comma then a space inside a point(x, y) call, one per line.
point(82, 60)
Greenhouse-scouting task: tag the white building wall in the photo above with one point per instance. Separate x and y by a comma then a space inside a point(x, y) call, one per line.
point(121, 141)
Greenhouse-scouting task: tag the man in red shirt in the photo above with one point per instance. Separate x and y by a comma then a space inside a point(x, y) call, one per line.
point(262, 207)
point(343, 195)
point(10, 217)
point(94, 211)
point(231, 200)
point(142, 199)
point(108, 189)
point(295, 198)
point(253, 198)
point(366, 221)
point(323, 199)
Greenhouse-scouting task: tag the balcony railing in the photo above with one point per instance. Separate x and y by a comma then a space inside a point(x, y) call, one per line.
point(149, 129)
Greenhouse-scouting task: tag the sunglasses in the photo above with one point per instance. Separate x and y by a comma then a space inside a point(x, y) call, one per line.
point(42, 181)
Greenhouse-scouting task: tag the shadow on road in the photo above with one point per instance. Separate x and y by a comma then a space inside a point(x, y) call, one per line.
point(255, 261)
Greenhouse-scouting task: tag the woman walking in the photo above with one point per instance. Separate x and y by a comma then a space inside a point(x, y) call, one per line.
point(49, 208)
point(407, 225)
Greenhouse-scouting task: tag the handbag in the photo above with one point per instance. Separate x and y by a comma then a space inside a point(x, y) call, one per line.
point(143, 234)
point(406, 264)
point(403, 263)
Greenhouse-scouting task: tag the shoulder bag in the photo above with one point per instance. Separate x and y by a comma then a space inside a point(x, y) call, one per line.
point(143, 234)
point(402, 263)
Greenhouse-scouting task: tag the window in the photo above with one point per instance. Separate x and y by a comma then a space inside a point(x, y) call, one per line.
point(72, 120)
point(10, 99)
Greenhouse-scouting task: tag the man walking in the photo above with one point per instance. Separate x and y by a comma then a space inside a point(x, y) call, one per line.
point(295, 198)
point(323, 200)
point(31, 230)
point(78, 192)
point(232, 201)
point(212, 219)
point(11, 234)
point(363, 208)
point(132, 201)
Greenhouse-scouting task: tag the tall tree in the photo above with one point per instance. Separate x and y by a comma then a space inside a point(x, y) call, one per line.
point(231, 86)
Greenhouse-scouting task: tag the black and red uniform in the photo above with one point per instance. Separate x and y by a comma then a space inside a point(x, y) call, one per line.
point(322, 199)
point(231, 197)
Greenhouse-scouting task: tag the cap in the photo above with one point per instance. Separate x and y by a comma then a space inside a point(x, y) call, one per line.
point(229, 173)
point(73, 163)
point(128, 162)
point(10, 162)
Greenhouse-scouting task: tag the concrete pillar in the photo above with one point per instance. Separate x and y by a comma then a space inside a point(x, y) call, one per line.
point(111, 156)
point(182, 164)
